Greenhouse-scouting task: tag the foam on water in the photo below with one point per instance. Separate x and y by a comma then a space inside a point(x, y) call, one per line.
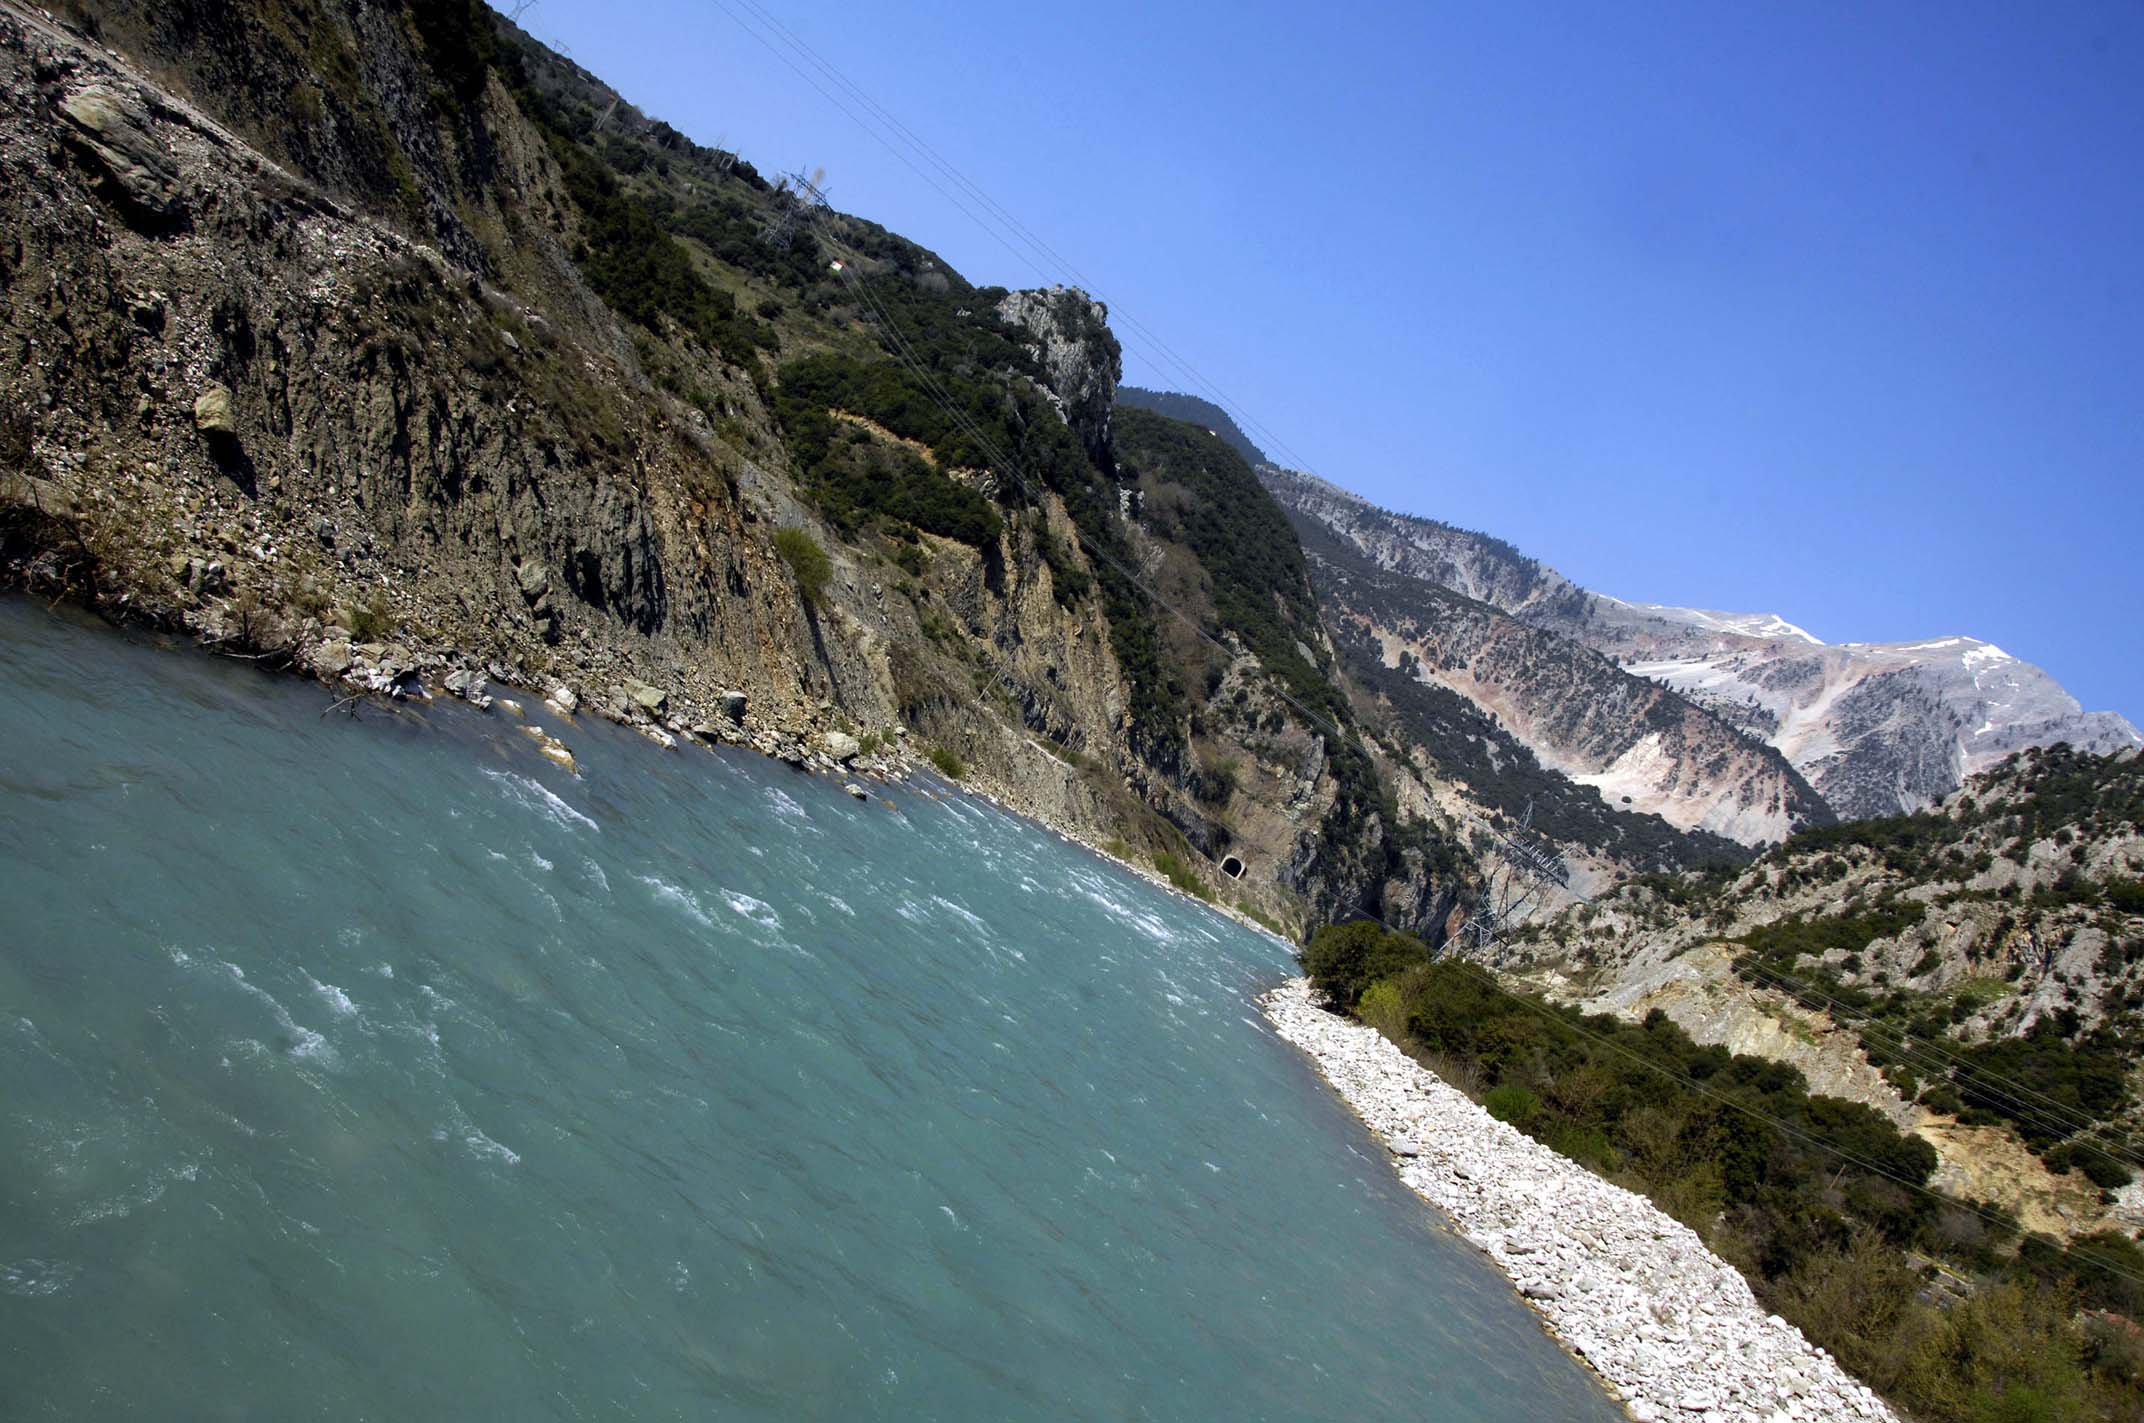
point(303, 1043)
point(32, 1279)
point(786, 805)
point(757, 910)
point(535, 795)
point(338, 1002)
point(678, 898)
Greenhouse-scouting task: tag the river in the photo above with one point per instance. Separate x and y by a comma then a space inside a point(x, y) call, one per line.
point(374, 1067)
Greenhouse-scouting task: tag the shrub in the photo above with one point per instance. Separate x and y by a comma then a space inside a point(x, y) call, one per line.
point(370, 621)
point(1512, 1103)
point(1384, 1008)
point(808, 563)
point(948, 764)
point(1216, 780)
point(1179, 874)
point(1343, 960)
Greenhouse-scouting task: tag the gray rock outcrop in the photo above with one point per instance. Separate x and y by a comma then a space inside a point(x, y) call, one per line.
point(1080, 358)
point(114, 130)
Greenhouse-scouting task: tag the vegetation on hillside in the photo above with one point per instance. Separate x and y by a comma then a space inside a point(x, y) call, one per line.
point(1463, 743)
point(909, 407)
point(808, 563)
point(854, 477)
point(1192, 410)
point(1199, 494)
point(1202, 495)
point(2059, 1079)
point(1823, 1204)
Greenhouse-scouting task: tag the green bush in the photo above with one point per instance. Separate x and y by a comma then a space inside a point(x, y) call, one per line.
point(1511, 1103)
point(1812, 1197)
point(808, 563)
point(1384, 1007)
point(948, 764)
point(1343, 960)
point(1179, 874)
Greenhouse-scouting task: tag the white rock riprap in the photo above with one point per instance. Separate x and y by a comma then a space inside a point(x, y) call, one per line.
point(1670, 1327)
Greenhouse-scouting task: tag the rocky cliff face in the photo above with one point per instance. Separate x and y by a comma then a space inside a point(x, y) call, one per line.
point(403, 351)
point(1080, 359)
point(1403, 585)
point(1876, 728)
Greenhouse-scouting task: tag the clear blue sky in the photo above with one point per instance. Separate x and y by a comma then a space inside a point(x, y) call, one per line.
point(1831, 310)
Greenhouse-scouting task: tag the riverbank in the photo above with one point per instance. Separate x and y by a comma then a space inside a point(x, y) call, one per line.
point(893, 758)
point(1669, 1327)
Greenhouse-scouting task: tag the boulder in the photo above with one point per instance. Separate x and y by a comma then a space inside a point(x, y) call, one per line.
point(332, 659)
point(733, 704)
point(468, 684)
point(112, 130)
point(563, 698)
point(533, 578)
point(856, 790)
point(647, 698)
point(212, 411)
point(841, 746)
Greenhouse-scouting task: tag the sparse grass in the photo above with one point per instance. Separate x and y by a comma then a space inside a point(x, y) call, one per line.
point(370, 620)
point(949, 765)
point(1179, 874)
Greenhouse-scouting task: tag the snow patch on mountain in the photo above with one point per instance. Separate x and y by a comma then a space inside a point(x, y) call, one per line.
point(1765, 625)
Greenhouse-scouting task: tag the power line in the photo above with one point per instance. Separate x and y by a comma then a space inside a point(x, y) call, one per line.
point(906, 355)
point(1545, 1011)
point(2027, 1105)
point(1165, 354)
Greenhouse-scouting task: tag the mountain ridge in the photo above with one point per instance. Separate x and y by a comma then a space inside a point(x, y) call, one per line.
point(1877, 727)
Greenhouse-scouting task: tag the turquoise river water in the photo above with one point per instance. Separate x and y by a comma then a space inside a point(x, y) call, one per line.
point(378, 1069)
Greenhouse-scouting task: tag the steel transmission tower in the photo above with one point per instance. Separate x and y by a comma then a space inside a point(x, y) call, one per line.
point(796, 198)
point(1523, 870)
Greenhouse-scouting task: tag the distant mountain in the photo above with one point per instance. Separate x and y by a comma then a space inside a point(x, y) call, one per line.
point(1637, 744)
point(1203, 413)
point(1877, 728)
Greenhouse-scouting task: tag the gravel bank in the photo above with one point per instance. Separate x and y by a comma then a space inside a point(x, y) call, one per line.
point(1672, 1329)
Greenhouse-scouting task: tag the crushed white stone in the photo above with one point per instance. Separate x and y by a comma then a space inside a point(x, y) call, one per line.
point(1671, 1328)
